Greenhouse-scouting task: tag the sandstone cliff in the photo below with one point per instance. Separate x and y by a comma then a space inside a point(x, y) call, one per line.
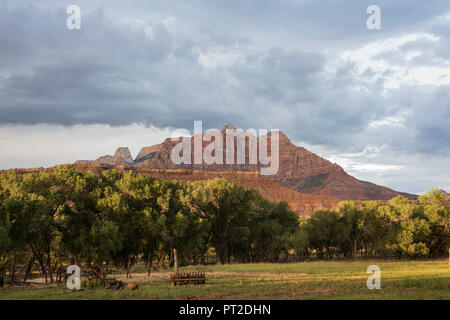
point(122, 156)
point(299, 169)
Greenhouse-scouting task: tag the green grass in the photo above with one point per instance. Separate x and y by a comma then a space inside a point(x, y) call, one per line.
point(308, 280)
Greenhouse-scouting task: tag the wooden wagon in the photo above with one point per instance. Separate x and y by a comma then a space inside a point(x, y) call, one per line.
point(182, 278)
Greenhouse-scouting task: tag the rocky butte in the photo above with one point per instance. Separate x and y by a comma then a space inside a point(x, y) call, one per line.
point(305, 180)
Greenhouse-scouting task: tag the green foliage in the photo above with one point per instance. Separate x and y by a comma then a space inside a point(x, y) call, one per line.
point(120, 218)
point(324, 233)
point(397, 229)
point(432, 197)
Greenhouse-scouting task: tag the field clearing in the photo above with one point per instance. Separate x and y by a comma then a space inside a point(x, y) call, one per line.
point(306, 280)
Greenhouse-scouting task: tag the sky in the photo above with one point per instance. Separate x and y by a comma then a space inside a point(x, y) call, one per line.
point(377, 102)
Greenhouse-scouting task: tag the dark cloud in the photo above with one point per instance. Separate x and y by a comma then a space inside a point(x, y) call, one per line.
point(260, 64)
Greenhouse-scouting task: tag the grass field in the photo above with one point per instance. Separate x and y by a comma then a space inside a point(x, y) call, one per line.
point(307, 280)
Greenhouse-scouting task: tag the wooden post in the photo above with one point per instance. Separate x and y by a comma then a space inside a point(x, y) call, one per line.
point(175, 261)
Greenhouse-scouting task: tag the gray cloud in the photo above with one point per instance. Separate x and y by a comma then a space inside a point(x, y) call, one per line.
point(259, 64)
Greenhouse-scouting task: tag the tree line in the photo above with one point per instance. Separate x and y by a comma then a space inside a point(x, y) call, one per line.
point(52, 219)
point(398, 228)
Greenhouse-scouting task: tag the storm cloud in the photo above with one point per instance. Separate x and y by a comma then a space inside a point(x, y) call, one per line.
point(377, 102)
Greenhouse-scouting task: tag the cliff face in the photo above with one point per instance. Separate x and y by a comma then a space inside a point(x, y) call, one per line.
point(299, 169)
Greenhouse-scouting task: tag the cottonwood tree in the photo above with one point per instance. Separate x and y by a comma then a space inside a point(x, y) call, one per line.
point(225, 206)
point(351, 227)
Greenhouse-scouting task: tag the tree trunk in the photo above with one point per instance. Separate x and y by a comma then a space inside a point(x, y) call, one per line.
point(149, 264)
point(49, 266)
point(43, 270)
point(175, 261)
point(28, 270)
point(13, 271)
point(50, 272)
point(127, 268)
